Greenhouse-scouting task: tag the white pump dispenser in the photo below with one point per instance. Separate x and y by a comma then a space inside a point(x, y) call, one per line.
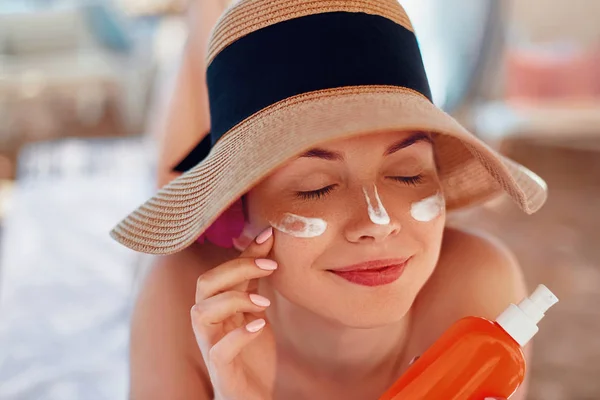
point(520, 321)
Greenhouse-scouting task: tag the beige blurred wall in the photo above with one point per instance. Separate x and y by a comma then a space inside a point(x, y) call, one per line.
point(540, 21)
point(548, 20)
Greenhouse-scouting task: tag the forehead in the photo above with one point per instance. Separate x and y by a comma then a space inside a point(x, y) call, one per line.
point(388, 142)
point(370, 149)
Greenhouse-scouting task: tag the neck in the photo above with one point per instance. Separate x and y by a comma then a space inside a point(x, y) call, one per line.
point(331, 350)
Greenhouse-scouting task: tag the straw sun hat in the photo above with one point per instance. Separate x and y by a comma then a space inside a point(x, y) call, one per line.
point(286, 75)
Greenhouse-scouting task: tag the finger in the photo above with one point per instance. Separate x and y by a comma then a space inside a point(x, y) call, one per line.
point(247, 236)
point(224, 351)
point(261, 245)
point(233, 275)
point(236, 274)
point(258, 248)
point(213, 311)
point(415, 358)
point(208, 316)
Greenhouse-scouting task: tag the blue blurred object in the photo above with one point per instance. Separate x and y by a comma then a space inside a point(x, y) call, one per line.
point(457, 39)
point(108, 26)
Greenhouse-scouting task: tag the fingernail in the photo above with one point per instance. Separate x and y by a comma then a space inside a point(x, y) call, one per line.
point(255, 325)
point(264, 235)
point(266, 264)
point(259, 300)
point(415, 358)
point(241, 243)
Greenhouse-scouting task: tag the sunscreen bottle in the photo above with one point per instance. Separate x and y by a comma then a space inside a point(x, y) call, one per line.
point(476, 358)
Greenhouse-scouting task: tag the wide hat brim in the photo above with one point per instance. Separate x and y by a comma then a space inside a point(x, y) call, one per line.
point(470, 171)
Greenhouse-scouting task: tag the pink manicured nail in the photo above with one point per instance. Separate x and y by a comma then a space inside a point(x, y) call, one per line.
point(415, 358)
point(255, 325)
point(259, 300)
point(266, 264)
point(264, 235)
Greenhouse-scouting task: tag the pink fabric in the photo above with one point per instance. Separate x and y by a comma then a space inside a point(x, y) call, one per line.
point(227, 227)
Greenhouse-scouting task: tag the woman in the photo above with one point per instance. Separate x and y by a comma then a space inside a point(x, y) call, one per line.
point(308, 234)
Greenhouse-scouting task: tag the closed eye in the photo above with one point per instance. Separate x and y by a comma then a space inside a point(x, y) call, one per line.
point(409, 180)
point(316, 194)
point(320, 193)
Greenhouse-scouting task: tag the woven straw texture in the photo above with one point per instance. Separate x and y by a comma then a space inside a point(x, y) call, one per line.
point(180, 212)
point(470, 171)
point(250, 15)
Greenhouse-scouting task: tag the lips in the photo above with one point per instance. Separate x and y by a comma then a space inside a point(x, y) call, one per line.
point(372, 273)
point(371, 265)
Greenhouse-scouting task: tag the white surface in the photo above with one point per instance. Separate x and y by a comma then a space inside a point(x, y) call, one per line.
point(539, 302)
point(377, 214)
point(449, 34)
point(520, 321)
point(429, 208)
point(66, 288)
point(299, 226)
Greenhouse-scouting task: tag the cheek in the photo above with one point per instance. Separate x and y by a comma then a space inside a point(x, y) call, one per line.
point(428, 239)
point(431, 234)
point(428, 209)
point(298, 220)
point(299, 226)
point(299, 254)
point(298, 273)
point(425, 220)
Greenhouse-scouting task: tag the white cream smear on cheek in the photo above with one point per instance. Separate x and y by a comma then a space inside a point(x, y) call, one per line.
point(301, 227)
point(377, 214)
point(429, 208)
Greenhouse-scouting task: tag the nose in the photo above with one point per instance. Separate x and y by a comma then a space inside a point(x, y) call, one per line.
point(366, 231)
point(366, 224)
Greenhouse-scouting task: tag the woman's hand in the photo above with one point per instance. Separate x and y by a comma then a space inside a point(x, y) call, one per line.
point(230, 325)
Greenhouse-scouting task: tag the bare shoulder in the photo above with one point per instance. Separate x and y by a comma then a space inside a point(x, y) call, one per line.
point(479, 272)
point(165, 361)
point(178, 272)
point(476, 275)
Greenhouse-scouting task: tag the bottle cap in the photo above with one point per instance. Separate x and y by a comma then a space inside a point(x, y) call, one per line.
point(520, 321)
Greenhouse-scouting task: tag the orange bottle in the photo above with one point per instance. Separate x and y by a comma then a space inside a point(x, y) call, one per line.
point(476, 358)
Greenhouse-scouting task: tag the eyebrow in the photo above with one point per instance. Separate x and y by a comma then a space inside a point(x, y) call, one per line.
point(399, 145)
point(409, 141)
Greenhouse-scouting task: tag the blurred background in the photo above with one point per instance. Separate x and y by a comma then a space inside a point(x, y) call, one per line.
point(82, 83)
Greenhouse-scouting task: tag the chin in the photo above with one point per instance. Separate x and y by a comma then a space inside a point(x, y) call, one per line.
point(371, 314)
point(360, 306)
point(352, 306)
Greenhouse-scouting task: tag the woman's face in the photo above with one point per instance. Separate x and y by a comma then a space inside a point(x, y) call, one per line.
point(348, 202)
